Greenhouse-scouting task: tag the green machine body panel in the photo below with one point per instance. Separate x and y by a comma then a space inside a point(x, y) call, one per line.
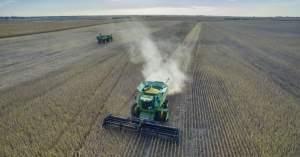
point(151, 101)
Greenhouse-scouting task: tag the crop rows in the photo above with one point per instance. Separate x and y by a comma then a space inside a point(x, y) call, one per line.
point(232, 105)
point(203, 113)
point(48, 105)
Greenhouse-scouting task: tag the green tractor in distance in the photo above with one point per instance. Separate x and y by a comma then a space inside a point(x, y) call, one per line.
point(102, 39)
point(150, 101)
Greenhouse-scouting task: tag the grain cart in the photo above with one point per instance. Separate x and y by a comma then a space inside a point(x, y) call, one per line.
point(149, 113)
point(102, 39)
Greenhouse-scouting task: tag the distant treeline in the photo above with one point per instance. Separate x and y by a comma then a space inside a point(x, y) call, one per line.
point(264, 18)
point(58, 18)
point(240, 18)
point(120, 17)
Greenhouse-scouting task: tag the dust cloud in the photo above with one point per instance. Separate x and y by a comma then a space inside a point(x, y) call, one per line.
point(157, 66)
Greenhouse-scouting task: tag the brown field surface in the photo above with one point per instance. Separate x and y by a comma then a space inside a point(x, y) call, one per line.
point(27, 27)
point(242, 99)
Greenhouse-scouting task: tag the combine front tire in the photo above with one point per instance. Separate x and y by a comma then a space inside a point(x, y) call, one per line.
point(166, 116)
point(135, 111)
point(161, 116)
point(165, 104)
point(157, 116)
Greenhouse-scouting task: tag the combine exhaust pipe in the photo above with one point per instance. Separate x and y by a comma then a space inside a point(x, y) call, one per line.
point(143, 127)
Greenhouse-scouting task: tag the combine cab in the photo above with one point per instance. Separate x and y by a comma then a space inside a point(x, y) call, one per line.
point(149, 113)
point(102, 39)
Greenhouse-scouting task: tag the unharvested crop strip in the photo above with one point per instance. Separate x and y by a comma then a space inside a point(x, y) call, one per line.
point(128, 144)
point(135, 145)
point(145, 146)
point(156, 145)
point(250, 146)
point(133, 142)
point(216, 101)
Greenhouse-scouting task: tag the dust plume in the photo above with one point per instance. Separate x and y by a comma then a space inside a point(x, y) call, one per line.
point(157, 65)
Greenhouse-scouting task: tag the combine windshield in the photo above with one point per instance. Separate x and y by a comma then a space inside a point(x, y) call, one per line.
point(147, 101)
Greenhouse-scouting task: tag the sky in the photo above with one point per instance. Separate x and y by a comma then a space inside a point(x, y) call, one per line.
point(150, 7)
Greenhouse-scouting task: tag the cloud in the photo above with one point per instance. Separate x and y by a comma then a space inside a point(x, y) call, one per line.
point(192, 10)
point(261, 10)
point(122, 7)
point(6, 3)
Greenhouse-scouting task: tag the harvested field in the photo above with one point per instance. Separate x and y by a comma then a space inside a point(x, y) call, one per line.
point(242, 97)
point(28, 27)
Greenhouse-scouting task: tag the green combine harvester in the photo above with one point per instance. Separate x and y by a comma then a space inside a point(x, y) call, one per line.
point(151, 103)
point(102, 39)
point(149, 113)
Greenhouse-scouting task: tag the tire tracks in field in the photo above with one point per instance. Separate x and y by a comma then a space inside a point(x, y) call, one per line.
point(74, 118)
point(5, 109)
point(256, 101)
point(132, 92)
point(117, 108)
point(268, 62)
point(96, 119)
point(116, 136)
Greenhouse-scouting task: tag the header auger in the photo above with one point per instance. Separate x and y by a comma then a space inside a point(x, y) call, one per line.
point(148, 114)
